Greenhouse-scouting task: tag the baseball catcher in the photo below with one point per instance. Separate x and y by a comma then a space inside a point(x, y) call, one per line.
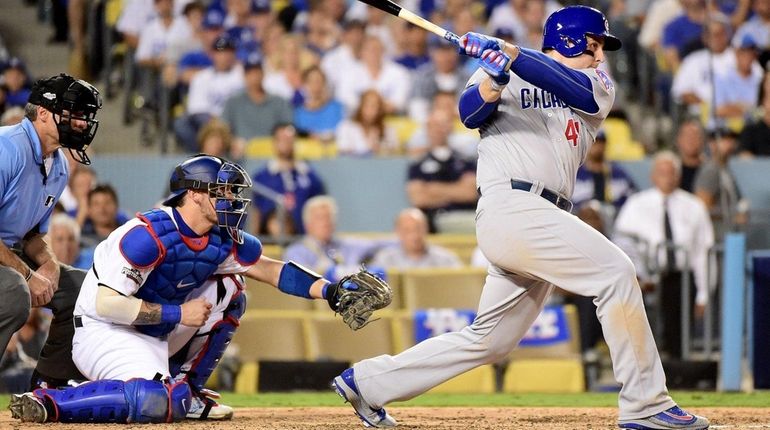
point(164, 298)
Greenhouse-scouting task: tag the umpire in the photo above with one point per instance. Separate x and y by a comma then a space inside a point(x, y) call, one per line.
point(60, 112)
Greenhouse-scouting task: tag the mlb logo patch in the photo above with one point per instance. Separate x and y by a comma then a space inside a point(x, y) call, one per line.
point(605, 79)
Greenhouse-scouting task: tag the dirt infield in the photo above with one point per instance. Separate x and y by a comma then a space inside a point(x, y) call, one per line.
point(301, 418)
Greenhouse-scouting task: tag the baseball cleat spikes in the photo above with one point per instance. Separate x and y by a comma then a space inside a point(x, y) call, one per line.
point(345, 386)
point(27, 408)
point(672, 418)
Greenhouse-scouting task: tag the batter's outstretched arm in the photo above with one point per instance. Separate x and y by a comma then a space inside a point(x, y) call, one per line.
point(570, 85)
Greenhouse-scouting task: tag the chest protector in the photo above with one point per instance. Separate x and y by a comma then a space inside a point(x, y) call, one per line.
point(184, 264)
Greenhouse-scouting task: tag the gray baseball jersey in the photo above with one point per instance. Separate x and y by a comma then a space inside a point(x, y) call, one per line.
point(532, 245)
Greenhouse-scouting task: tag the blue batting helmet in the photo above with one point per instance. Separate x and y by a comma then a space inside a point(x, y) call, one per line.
point(225, 181)
point(566, 30)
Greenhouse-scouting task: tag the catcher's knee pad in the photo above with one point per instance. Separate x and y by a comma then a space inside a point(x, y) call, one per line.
point(218, 338)
point(153, 401)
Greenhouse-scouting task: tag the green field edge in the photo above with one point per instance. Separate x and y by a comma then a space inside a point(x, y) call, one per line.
point(760, 399)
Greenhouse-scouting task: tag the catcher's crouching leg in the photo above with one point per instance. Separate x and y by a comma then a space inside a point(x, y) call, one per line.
point(203, 353)
point(105, 401)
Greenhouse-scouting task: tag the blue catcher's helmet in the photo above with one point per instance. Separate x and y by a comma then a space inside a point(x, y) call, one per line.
point(227, 182)
point(566, 30)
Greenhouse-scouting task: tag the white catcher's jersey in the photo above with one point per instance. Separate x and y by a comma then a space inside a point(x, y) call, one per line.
point(536, 137)
point(117, 273)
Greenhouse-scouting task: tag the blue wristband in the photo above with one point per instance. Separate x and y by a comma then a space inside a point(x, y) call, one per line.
point(170, 314)
point(297, 280)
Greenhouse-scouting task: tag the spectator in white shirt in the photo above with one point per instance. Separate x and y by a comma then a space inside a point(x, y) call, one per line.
point(643, 231)
point(209, 90)
point(365, 132)
point(736, 93)
point(374, 72)
point(346, 54)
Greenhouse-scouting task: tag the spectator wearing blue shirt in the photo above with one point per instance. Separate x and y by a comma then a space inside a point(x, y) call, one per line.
point(285, 183)
point(601, 180)
point(15, 83)
point(319, 114)
point(683, 34)
point(61, 112)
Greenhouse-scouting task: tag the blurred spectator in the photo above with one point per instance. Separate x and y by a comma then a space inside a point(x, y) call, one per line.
point(186, 35)
point(602, 180)
point(104, 216)
point(682, 35)
point(693, 80)
point(442, 74)
point(755, 136)
point(12, 116)
point(689, 145)
point(757, 27)
point(20, 357)
point(442, 180)
point(319, 115)
point(134, 16)
point(366, 133)
point(81, 182)
point(510, 15)
point(461, 138)
point(278, 226)
point(215, 139)
point(413, 249)
point(414, 51)
point(151, 52)
point(716, 185)
point(346, 54)
point(283, 70)
point(737, 91)
point(478, 259)
point(673, 232)
point(253, 113)
point(321, 32)
point(193, 61)
point(64, 235)
point(284, 183)
point(659, 14)
point(15, 83)
point(376, 72)
point(533, 19)
point(319, 249)
point(209, 89)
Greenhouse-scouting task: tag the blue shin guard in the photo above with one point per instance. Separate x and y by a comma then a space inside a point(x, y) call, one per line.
point(113, 401)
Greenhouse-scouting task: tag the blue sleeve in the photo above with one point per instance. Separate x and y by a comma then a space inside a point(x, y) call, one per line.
point(248, 252)
point(569, 85)
point(10, 164)
point(474, 111)
point(139, 247)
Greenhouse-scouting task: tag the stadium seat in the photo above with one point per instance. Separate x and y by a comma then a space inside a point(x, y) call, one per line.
point(331, 339)
point(442, 288)
point(272, 335)
point(263, 296)
point(404, 127)
point(480, 380)
point(313, 149)
point(461, 244)
point(261, 147)
point(272, 251)
point(620, 143)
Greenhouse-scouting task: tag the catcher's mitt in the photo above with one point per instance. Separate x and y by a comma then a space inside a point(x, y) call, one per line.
point(357, 296)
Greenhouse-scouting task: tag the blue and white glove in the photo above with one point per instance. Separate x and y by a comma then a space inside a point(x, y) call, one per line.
point(474, 44)
point(496, 64)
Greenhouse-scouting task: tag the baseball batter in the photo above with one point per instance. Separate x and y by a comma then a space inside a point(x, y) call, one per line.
point(536, 123)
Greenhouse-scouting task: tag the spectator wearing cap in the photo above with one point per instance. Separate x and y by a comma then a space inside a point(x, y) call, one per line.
point(319, 114)
point(442, 74)
point(192, 62)
point(414, 47)
point(757, 27)
point(346, 54)
point(602, 180)
point(251, 112)
point(238, 24)
point(755, 136)
point(15, 85)
point(209, 90)
point(737, 91)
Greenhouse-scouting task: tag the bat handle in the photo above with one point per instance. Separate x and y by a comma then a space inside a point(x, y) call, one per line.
point(455, 39)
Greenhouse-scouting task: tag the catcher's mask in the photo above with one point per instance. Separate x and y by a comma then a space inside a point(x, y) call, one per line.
point(224, 181)
point(70, 99)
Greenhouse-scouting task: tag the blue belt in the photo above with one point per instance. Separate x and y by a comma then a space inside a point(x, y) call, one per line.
point(555, 198)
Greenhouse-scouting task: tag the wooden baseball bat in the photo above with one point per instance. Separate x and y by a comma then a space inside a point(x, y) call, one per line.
point(396, 10)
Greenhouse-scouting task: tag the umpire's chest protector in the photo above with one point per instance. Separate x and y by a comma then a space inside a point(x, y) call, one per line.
point(184, 265)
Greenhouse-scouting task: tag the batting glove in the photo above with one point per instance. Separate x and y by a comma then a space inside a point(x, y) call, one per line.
point(474, 44)
point(495, 63)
